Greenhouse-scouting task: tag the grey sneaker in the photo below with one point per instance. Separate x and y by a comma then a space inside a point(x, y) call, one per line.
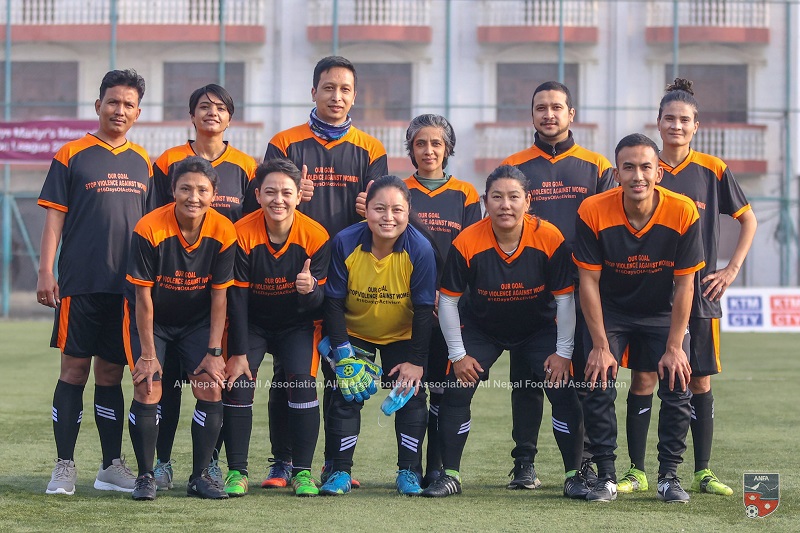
point(670, 490)
point(214, 471)
point(63, 479)
point(163, 475)
point(116, 477)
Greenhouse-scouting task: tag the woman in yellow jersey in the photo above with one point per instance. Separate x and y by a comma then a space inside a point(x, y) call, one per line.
point(379, 296)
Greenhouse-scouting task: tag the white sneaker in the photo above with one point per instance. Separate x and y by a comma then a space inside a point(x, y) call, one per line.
point(63, 479)
point(116, 477)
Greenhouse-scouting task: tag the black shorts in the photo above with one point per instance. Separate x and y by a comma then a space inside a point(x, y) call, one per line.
point(704, 346)
point(486, 350)
point(637, 347)
point(295, 349)
point(188, 343)
point(90, 324)
point(391, 355)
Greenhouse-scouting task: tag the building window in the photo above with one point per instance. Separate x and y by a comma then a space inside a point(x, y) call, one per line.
point(517, 81)
point(384, 92)
point(181, 80)
point(721, 90)
point(42, 89)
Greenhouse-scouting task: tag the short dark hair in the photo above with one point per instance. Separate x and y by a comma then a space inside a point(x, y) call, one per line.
point(506, 171)
point(433, 121)
point(197, 164)
point(327, 63)
point(680, 90)
point(388, 181)
point(280, 165)
point(553, 86)
point(127, 78)
point(634, 139)
point(216, 90)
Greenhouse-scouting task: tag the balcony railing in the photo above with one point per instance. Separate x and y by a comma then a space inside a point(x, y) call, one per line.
point(710, 13)
point(156, 137)
point(577, 13)
point(498, 140)
point(741, 146)
point(371, 12)
point(393, 136)
point(133, 12)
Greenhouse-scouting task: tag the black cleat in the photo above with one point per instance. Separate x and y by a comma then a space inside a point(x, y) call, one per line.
point(206, 487)
point(446, 485)
point(575, 487)
point(605, 490)
point(588, 473)
point(431, 477)
point(145, 487)
point(524, 477)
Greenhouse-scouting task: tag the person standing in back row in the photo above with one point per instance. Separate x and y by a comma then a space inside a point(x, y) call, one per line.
point(561, 174)
point(340, 160)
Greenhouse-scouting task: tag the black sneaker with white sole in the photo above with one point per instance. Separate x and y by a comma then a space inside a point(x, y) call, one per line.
point(206, 487)
point(575, 487)
point(605, 490)
point(145, 487)
point(523, 477)
point(446, 485)
point(670, 490)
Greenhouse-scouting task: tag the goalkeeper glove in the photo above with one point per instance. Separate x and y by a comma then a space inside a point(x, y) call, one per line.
point(354, 375)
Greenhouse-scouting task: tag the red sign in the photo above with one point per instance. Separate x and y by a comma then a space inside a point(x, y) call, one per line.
point(38, 141)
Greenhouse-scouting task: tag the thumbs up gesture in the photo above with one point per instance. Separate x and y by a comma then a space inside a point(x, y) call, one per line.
point(361, 201)
point(305, 282)
point(306, 186)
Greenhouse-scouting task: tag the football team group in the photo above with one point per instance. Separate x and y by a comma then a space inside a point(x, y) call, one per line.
point(190, 270)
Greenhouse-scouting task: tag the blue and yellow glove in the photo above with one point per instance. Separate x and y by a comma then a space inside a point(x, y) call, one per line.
point(355, 376)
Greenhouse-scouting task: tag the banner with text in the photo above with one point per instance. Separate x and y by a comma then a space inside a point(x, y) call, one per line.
point(761, 309)
point(39, 140)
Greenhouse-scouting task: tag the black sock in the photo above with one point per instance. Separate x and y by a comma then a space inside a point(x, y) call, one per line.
point(702, 428)
point(304, 429)
point(454, 424)
point(109, 413)
point(236, 427)
point(143, 428)
point(637, 425)
point(206, 424)
point(433, 456)
point(67, 415)
point(169, 409)
point(410, 424)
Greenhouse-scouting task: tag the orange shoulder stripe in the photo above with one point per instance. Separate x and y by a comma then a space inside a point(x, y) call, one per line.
point(714, 164)
point(70, 149)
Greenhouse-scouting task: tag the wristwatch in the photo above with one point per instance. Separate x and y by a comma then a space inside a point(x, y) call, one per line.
point(216, 352)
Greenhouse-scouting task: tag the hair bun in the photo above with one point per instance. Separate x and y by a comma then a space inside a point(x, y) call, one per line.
point(680, 84)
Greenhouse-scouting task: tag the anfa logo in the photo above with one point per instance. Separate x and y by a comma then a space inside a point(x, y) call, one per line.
point(762, 494)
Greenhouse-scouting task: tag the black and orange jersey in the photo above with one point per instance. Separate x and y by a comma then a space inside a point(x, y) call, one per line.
point(510, 297)
point(380, 294)
point(264, 291)
point(708, 181)
point(638, 266)
point(181, 274)
point(340, 170)
point(445, 211)
point(235, 169)
point(560, 178)
point(104, 191)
